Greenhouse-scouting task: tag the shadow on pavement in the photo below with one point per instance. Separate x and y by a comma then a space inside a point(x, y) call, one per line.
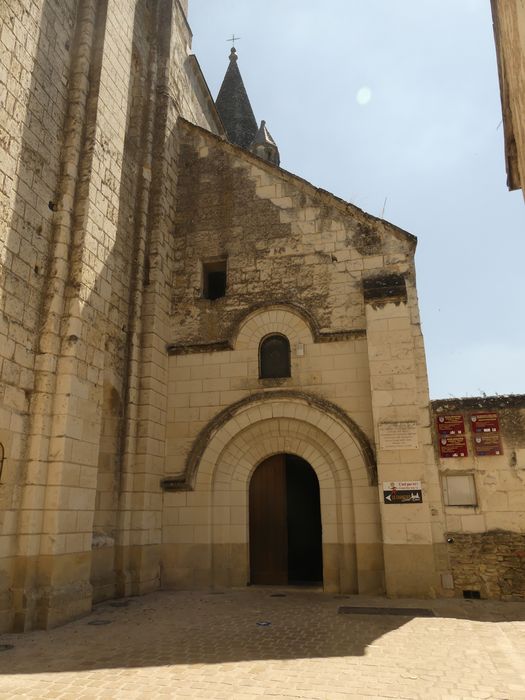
point(185, 628)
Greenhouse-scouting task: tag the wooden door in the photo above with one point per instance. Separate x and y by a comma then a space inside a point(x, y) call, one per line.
point(268, 529)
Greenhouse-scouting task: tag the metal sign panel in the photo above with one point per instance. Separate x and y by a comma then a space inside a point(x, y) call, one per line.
point(453, 446)
point(451, 424)
point(487, 445)
point(402, 492)
point(484, 422)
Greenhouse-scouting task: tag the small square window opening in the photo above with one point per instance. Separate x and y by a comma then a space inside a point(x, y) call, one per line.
point(214, 279)
point(459, 490)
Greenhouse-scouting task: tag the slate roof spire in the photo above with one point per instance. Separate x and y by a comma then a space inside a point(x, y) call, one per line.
point(234, 107)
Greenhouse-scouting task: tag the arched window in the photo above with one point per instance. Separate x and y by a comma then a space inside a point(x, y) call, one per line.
point(274, 357)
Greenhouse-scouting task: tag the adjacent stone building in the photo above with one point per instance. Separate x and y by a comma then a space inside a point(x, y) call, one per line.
point(480, 449)
point(212, 372)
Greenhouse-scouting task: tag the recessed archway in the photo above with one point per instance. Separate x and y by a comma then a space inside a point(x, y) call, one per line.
point(207, 528)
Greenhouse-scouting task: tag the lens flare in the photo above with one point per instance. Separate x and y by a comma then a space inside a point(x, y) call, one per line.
point(364, 95)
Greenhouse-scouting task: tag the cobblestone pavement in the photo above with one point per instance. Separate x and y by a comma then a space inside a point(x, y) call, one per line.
point(210, 645)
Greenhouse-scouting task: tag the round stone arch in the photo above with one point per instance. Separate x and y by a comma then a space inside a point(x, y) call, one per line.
point(236, 442)
point(284, 319)
point(278, 403)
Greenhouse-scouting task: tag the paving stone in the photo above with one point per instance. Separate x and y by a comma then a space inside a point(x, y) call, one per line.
point(194, 645)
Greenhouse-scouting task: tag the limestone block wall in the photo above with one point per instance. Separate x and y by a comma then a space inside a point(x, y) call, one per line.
point(281, 237)
point(89, 173)
point(202, 384)
point(414, 549)
point(206, 530)
point(35, 55)
point(205, 385)
point(487, 538)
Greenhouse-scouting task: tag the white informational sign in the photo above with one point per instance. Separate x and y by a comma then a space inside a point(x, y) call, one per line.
point(398, 436)
point(402, 485)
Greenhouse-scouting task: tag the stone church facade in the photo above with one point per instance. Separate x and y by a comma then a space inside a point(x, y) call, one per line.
point(210, 369)
point(339, 285)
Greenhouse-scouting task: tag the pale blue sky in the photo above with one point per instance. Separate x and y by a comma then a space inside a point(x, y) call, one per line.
point(429, 140)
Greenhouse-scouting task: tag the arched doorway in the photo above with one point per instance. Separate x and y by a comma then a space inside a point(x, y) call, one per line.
point(285, 523)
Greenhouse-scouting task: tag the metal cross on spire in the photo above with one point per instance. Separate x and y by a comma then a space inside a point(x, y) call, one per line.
point(233, 40)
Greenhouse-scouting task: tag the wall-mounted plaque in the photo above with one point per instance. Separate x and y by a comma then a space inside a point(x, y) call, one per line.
point(402, 492)
point(487, 445)
point(484, 422)
point(451, 424)
point(453, 446)
point(398, 436)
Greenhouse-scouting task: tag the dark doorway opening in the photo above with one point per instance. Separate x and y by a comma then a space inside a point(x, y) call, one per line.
point(285, 523)
point(305, 558)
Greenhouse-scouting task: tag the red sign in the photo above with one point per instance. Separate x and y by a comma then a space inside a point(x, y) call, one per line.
point(484, 423)
point(487, 445)
point(451, 424)
point(453, 446)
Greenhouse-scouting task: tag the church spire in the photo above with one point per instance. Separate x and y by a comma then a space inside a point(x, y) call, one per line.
point(234, 107)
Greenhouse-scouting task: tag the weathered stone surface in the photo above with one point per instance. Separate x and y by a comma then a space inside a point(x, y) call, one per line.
point(284, 242)
point(492, 563)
